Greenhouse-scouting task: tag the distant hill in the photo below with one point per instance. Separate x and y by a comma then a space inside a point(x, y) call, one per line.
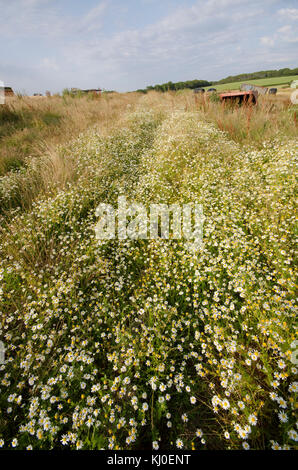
point(257, 75)
point(233, 78)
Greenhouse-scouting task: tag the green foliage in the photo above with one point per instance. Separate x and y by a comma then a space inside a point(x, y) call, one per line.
point(257, 75)
point(191, 84)
point(50, 118)
point(170, 86)
point(214, 97)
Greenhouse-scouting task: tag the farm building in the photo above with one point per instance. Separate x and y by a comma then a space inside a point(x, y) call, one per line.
point(94, 91)
point(8, 91)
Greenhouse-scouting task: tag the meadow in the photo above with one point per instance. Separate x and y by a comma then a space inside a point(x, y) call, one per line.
point(141, 344)
point(276, 82)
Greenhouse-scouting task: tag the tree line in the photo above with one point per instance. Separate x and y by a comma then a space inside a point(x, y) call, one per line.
point(257, 75)
point(232, 78)
point(176, 86)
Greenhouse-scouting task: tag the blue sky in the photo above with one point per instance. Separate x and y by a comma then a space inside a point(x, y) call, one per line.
point(129, 44)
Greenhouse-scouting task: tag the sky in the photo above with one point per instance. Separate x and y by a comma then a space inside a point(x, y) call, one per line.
point(124, 45)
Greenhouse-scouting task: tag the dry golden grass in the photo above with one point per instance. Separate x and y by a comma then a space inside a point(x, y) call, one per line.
point(273, 116)
point(32, 131)
point(28, 126)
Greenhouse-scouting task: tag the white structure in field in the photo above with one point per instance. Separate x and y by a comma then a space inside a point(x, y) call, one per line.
point(2, 93)
point(294, 84)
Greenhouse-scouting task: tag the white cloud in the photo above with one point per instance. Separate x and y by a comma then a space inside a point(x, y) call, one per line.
point(93, 18)
point(44, 18)
point(267, 41)
point(291, 13)
point(49, 64)
point(21, 18)
point(191, 42)
point(204, 39)
point(285, 29)
point(286, 34)
point(182, 32)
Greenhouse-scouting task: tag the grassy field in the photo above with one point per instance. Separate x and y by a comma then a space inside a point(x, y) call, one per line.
point(31, 126)
point(275, 82)
point(141, 344)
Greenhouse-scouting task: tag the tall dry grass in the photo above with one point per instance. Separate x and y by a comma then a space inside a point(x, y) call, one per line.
point(28, 126)
point(33, 132)
point(270, 118)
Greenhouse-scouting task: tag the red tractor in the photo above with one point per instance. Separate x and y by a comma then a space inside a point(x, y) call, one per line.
point(240, 97)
